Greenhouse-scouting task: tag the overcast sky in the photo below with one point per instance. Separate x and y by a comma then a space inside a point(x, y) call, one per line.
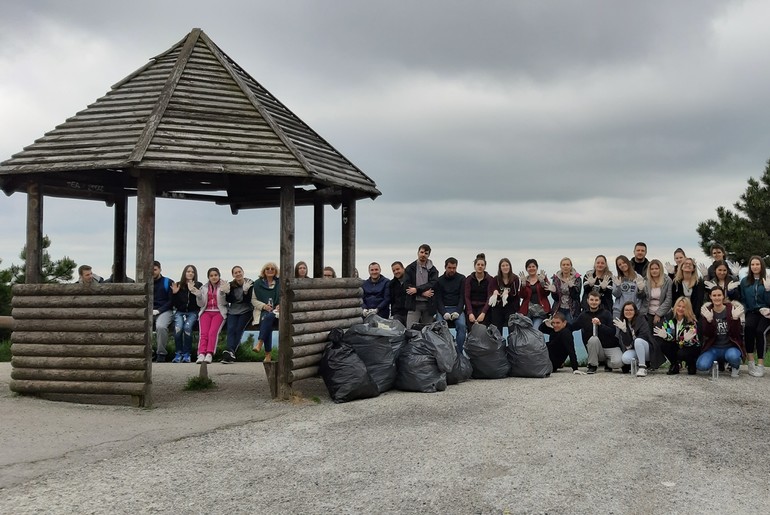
point(518, 129)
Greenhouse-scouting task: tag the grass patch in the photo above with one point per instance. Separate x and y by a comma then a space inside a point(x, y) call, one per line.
point(5, 350)
point(199, 383)
point(316, 399)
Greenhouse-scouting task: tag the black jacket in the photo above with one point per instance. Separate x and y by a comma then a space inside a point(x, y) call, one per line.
point(184, 301)
point(450, 292)
point(411, 279)
point(605, 331)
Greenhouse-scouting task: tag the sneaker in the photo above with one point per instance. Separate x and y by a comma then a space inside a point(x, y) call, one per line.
point(177, 358)
point(160, 358)
point(751, 368)
point(607, 368)
point(626, 369)
point(201, 359)
point(591, 369)
point(642, 372)
point(734, 372)
point(185, 358)
point(228, 357)
point(209, 358)
point(758, 371)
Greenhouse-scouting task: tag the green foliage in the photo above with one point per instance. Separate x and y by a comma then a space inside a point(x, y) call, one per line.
point(5, 350)
point(58, 271)
point(199, 383)
point(746, 231)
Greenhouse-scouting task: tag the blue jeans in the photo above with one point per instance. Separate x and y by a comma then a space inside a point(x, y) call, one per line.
point(461, 329)
point(266, 330)
point(183, 326)
point(236, 325)
point(731, 355)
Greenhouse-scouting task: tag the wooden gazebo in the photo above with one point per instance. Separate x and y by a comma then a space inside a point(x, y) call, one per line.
point(190, 125)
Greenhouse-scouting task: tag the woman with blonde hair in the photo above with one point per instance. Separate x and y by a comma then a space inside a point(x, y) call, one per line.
point(688, 284)
point(266, 301)
point(599, 280)
point(565, 289)
point(679, 336)
point(658, 301)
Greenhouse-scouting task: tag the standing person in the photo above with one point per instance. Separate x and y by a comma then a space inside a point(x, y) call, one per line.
point(376, 293)
point(722, 333)
point(658, 302)
point(634, 335)
point(640, 258)
point(212, 315)
point(565, 289)
point(629, 286)
point(238, 294)
point(421, 277)
point(679, 256)
point(688, 284)
point(87, 276)
point(561, 343)
point(717, 253)
point(679, 335)
point(478, 288)
point(534, 293)
point(300, 270)
point(185, 312)
point(161, 310)
point(266, 299)
point(753, 293)
point(598, 332)
point(721, 278)
point(398, 293)
point(599, 280)
point(450, 300)
point(504, 300)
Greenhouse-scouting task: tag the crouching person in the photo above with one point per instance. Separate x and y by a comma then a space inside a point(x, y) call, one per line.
point(561, 344)
point(598, 334)
point(680, 337)
point(634, 335)
point(721, 331)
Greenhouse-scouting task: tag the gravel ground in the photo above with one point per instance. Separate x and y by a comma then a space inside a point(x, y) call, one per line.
point(607, 443)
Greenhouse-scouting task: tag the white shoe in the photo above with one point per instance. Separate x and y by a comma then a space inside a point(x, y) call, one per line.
point(759, 371)
point(200, 359)
point(735, 371)
point(209, 358)
point(641, 372)
point(751, 366)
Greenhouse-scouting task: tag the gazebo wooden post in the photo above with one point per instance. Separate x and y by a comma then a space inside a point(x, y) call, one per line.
point(33, 271)
point(287, 267)
point(145, 252)
point(318, 239)
point(120, 240)
point(348, 237)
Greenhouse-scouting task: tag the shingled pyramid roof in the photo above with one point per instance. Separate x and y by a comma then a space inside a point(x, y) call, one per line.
point(202, 123)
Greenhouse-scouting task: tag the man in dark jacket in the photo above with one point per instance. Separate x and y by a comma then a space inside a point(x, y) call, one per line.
point(376, 296)
point(450, 300)
point(598, 334)
point(161, 309)
point(398, 294)
point(421, 277)
point(640, 260)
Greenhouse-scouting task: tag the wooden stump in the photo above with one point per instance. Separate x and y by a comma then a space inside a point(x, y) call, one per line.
point(271, 371)
point(203, 373)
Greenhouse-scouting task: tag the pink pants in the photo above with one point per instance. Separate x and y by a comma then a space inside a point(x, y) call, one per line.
point(210, 323)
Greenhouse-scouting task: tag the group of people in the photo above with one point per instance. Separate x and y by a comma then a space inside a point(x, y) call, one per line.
point(644, 313)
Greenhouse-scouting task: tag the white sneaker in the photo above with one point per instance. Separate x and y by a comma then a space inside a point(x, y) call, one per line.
point(200, 359)
point(735, 371)
point(759, 371)
point(209, 358)
point(751, 366)
point(641, 372)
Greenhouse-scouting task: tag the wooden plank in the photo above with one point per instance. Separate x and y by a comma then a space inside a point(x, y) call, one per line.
point(319, 316)
point(79, 362)
point(308, 350)
point(320, 305)
point(78, 338)
point(79, 351)
point(325, 284)
point(145, 252)
point(80, 301)
point(106, 326)
point(348, 238)
point(303, 373)
point(106, 314)
point(80, 289)
point(318, 239)
point(91, 387)
point(309, 338)
point(34, 248)
point(47, 374)
point(287, 214)
point(332, 293)
point(326, 325)
point(305, 361)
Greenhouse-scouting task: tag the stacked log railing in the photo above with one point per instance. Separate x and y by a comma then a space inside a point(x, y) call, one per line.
point(315, 307)
point(76, 339)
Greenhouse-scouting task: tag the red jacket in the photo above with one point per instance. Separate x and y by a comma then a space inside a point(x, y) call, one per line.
point(709, 332)
point(526, 293)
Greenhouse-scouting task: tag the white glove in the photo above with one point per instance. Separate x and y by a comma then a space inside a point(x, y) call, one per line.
point(194, 290)
point(765, 312)
point(660, 333)
point(709, 285)
point(703, 269)
point(542, 276)
point(639, 282)
point(733, 285)
point(225, 288)
point(447, 316)
point(522, 278)
point(455, 315)
point(689, 335)
point(247, 283)
point(766, 282)
point(669, 268)
point(570, 282)
point(620, 324)
point(506, 291)
point(550, 287)
point(548, 322)
point(706, 313)
point(155, 312)
point(493, 300)
point(734, 267)
point(605, 283)
point(590, 280)
point(578, 372)
point(738, 310)
point(617, 280)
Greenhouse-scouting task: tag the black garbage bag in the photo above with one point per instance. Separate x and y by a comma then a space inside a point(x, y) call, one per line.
point(461, 371)
point(377, 342)
point(486, 350)
point(527, 351)
point(424, 361)
point(344, 373)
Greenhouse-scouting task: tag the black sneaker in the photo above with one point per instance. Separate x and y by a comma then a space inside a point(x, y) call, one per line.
point(607, 368)
point(228, 357)
point(626, 369)
point(591, 369)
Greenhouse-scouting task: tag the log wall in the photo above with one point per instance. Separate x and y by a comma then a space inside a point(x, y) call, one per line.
point(75, 339)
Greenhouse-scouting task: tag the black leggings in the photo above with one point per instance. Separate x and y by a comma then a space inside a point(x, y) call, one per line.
point(754, 333)
point(676, 355)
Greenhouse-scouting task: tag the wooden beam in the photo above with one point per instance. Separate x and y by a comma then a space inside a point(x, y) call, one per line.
point(318, 239)
point(120, 236)
point(287, 265)
point(348, 238)
point(145, 252)
point(34, 255)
